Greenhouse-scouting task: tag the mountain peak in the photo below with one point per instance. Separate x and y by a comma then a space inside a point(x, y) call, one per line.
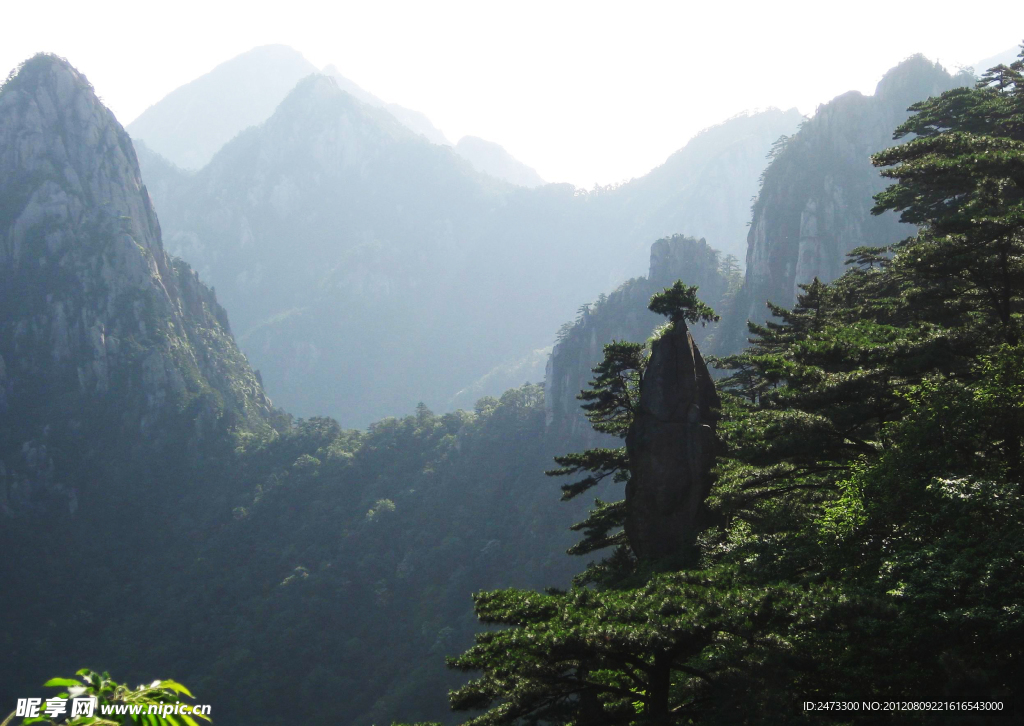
point(195, 120)
point(43, 68)
point(318, 102)
point(413, 120)
point(53, 126)
point(914, 79)
point(99, 327)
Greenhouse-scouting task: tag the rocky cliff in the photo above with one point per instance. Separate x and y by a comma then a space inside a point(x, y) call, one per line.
point(623, 315)
point(348, 249)
point(815, 202)
point(103, 336)
point(671, 447)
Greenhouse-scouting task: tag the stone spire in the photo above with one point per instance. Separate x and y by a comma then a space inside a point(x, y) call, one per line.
point(671, 446)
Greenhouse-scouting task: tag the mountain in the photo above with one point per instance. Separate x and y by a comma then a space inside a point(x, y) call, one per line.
point(815, 202)
point(346, 247)
point(351, 251)
point(158, 517)
point(154, 524)
point(705, 189)
point(529, 368)
point(192, 122)
point(104, 338)
point(491, 158)
point(1007, 57)
point(412, 120)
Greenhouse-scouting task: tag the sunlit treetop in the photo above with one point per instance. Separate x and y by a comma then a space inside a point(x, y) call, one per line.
point(680, 303)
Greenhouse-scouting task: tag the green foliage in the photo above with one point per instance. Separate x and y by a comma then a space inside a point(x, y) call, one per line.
point(615, 389)
point(379, 509)
point(598, 656)
point(306, 612)
point(680, 303)
point(108, 693)
point(609, 406)
point(867, 538)
point(869, 506)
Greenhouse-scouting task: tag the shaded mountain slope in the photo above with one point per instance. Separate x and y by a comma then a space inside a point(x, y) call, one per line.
point(705, 188)
point(153, 523)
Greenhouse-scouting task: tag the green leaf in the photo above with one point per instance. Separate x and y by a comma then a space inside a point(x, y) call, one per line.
point(174, 686)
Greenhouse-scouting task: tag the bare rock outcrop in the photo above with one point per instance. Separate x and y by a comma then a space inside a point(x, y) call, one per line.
point(814, 205)
point(671, 447)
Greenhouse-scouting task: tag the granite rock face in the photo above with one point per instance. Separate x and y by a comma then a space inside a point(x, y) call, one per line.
point(671, 447)
point(815, 202)
point(101, 332)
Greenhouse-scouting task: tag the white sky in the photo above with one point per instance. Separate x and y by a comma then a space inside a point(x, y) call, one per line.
point(582, 91)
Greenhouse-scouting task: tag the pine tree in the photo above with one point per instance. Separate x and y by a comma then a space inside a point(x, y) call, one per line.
point(628, 650)
point(869, 516)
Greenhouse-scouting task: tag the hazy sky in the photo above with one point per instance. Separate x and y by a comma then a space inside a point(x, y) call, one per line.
point(582, 91)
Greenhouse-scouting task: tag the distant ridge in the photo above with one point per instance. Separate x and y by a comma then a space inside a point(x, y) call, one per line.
point(189, 125)
point(367, 269)
point(491, 158)
point(192, 122)
point(413, 120)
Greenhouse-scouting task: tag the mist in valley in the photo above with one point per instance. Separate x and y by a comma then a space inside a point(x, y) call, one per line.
point(297, 309)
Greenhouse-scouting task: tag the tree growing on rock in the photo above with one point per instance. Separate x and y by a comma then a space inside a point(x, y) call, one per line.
point(627, 650)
